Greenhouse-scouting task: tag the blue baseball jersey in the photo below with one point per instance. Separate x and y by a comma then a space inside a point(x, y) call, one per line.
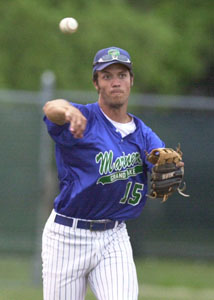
point(102, 175)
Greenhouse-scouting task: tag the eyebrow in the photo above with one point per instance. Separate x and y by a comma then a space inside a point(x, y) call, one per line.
point(109, 72)
point(103, 71)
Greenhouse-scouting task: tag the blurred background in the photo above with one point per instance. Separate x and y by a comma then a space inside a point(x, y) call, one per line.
point(171, 44)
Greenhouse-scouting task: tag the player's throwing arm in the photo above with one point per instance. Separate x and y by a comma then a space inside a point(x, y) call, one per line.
point(60, 112)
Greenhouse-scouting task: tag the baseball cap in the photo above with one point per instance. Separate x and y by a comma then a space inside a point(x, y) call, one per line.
point(112, 55)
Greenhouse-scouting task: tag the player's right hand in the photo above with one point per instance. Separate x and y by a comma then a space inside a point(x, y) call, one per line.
point(77, 121)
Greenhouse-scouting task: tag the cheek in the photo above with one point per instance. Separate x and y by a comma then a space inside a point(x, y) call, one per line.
point(102, 88)
point(128, 86)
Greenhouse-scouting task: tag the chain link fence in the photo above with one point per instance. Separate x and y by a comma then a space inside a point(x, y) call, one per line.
point(28, 180)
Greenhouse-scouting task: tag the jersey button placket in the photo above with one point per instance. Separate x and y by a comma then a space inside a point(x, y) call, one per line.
point(118, 132)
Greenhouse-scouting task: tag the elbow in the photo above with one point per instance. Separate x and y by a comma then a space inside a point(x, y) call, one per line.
point(46, 107)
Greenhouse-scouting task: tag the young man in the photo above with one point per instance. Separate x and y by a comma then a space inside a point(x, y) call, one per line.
point(102, 170)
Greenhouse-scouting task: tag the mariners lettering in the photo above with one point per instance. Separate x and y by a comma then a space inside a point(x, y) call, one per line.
point(125, 161)
point(106, 159)
point(122, 168)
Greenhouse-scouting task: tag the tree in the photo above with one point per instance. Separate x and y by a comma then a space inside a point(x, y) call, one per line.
point(170, 42)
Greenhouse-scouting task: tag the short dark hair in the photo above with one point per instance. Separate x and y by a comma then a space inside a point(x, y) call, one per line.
point(95, 76)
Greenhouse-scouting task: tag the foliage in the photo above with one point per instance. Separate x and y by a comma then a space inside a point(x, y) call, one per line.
point(169, 41)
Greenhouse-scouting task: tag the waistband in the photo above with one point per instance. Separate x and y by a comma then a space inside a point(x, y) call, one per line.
point(91, 225)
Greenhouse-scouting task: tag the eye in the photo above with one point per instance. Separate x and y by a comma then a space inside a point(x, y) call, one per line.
point(106, 76)
point(123, 75)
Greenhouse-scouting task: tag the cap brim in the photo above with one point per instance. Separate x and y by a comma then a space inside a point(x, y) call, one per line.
point(101, 66)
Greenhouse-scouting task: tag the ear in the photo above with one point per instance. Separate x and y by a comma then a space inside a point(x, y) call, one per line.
point(132, 80)
point(95, 84)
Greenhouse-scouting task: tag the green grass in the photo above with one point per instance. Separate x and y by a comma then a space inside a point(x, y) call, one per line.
point(159, 279)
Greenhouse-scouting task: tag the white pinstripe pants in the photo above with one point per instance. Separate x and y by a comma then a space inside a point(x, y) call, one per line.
point(73, 257)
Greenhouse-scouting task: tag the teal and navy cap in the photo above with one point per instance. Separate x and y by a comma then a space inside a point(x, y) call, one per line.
point(112, 55)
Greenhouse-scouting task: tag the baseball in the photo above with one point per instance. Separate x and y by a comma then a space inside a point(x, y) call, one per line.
point(68, 25)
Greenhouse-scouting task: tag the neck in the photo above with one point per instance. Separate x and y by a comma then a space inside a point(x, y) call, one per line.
point(118, 114)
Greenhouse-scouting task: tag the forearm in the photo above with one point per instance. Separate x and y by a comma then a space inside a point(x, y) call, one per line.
point(61, 111)
point(55, 111)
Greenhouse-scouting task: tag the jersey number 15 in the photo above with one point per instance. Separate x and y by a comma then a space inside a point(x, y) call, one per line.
point(132, 197)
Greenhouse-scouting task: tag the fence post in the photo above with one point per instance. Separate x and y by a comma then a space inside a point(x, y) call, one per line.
point(46, 173)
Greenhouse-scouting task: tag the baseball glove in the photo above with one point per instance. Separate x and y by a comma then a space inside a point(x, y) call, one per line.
point(167, 176)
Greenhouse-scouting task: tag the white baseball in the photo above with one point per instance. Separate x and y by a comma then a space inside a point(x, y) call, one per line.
point(68, 25)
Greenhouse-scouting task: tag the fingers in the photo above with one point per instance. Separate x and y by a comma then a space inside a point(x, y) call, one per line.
point(180, 164)
point(77, 127)
point(77, 122)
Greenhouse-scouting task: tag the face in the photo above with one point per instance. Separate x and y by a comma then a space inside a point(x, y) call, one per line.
point(114, 85)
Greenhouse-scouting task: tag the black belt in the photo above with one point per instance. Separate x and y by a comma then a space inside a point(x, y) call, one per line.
point(91, 225)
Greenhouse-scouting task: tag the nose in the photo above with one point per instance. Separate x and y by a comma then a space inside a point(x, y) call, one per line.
point(115, 82)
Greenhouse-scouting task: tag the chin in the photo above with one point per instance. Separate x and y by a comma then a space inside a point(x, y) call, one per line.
point(116, 105)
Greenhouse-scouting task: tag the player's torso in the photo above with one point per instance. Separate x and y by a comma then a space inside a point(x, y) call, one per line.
point(102, 176)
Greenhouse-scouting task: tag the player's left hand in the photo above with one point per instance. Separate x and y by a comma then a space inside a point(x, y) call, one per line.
point(167, 173)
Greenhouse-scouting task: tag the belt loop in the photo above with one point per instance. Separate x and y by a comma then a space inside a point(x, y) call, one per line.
point(91, 225)
point(75, 221)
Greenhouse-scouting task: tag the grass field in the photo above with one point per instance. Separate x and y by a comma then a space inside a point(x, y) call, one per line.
point(158, 280)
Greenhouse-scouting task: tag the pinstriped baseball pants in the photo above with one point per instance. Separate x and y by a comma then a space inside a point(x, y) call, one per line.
point(73, 258)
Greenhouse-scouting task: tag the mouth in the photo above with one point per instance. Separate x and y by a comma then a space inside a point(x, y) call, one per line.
point(116, 92)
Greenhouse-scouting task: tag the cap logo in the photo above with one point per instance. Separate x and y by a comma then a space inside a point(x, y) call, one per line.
point(114, 53)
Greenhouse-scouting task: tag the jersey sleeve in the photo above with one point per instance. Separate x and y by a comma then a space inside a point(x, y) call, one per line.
point(61, 133)
point(152, 141)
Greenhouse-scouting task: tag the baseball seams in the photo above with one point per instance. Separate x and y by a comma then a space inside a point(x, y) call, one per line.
point(72, 256)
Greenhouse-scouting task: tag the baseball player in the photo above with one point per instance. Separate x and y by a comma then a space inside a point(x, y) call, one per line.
point(102, 171)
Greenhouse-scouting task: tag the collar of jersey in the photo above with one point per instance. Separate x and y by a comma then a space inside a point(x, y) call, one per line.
point(104, 118)
point(98, 110)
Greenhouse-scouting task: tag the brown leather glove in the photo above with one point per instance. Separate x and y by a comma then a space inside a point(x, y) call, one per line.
point(167, 173)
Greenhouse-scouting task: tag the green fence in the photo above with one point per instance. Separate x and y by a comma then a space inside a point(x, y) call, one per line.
point(19, 132)
point(179, 227)
point(182, 226)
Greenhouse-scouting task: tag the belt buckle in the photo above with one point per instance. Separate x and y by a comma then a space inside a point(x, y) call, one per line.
point(92, 224)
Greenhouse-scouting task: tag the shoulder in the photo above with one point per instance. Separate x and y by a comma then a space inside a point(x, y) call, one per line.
point(145, 129)
point(86, 109)
point(151, 138)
